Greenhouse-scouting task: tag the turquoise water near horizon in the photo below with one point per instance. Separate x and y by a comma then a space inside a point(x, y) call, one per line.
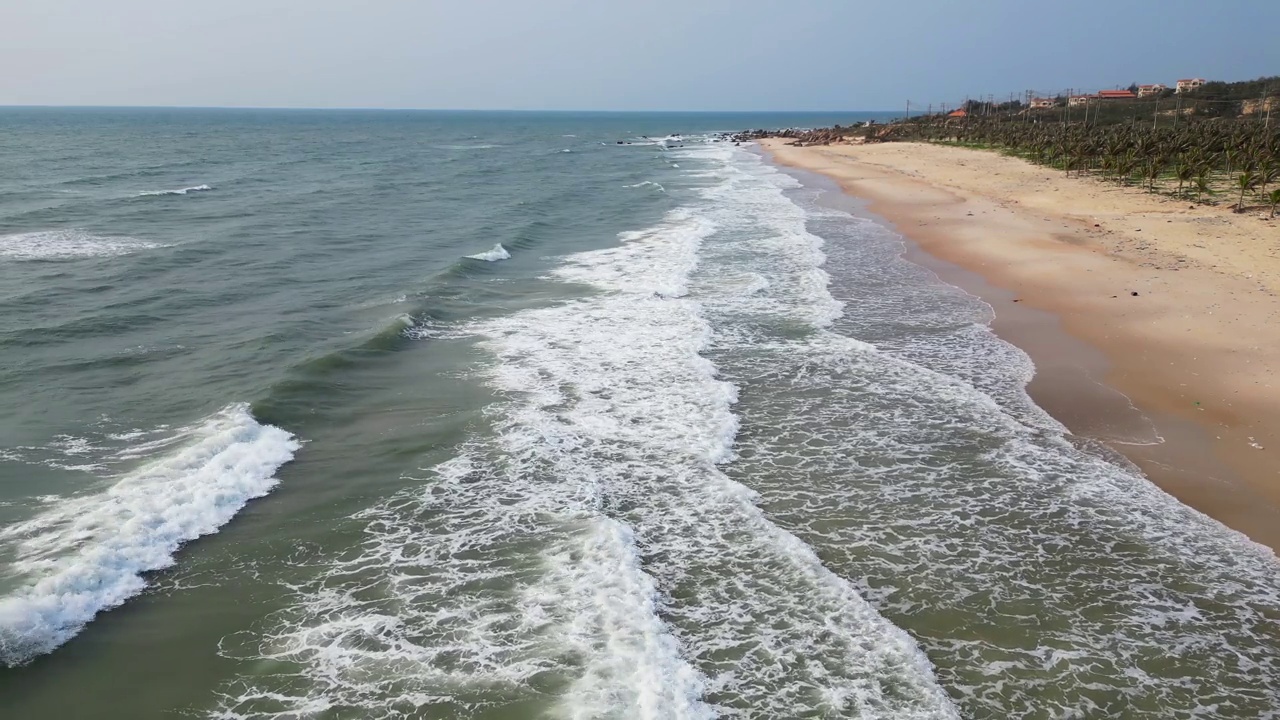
point(374, 414)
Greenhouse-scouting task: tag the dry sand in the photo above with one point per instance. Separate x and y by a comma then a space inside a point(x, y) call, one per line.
point(1195, 351)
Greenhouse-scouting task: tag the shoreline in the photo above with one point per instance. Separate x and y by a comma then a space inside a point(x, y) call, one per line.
point(1186, 395)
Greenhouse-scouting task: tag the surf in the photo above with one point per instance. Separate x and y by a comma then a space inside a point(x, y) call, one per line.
point(179, 191)
point(494, 254)
point(605, 533)
point(68, 245)
point(87, 554)
point(918, 465)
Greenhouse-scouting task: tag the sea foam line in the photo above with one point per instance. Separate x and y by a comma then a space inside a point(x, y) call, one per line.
point(86, 554)
point(434, 607)
point(591, 542)
point(619, 394)
point(68, 244)
point(999, 538)
point(180, 191)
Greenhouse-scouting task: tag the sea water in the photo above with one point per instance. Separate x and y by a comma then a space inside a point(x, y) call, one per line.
point(436, 415)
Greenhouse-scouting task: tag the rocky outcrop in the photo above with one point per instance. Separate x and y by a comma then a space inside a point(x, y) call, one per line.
point(1251, 107)
point(802, 137)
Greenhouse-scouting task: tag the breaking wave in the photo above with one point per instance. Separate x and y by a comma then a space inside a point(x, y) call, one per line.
point(592, 546)
point(492, 255)
point(181, 191)
point(87, 554)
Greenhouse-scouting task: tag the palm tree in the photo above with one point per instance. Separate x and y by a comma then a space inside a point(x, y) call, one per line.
point(1152, 173)
point(1195, 152)
point(1274, 197)
point(1203, 185)
point(1232, 158)
point(1268, 172)
point(1125, 167)
point(1245, 181)
point(1185, 171)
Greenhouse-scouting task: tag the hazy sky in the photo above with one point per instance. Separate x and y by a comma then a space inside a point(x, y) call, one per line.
point(612, 55)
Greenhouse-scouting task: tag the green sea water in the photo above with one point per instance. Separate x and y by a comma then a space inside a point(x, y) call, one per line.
point(496, 415)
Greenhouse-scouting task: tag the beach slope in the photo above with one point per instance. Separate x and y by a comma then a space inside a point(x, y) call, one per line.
point(1113, 292)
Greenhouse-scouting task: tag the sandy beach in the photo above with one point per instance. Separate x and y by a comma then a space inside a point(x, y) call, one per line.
point(1154, 325)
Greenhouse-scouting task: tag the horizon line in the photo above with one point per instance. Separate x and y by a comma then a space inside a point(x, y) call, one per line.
point(7, 106)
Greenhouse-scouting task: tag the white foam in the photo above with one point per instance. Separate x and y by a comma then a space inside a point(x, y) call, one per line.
point(86, 554)
point(921, 468)
point(496, 253)
point(424, 328)
point(180, 191)
point(67, 244)
point(619, 401)
point(666, 143)
point(648, 183)
point(612, 610)
point(592, 542)
point(749, 203)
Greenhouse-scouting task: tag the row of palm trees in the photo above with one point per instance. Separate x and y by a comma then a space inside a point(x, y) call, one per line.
point(1196, 161)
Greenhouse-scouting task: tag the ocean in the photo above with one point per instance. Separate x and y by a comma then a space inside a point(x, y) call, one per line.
point(372, 414)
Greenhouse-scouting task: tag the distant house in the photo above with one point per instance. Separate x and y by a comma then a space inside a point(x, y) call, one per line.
point(1115, 95)
point(957, 114)
point(1148, 90)
point(1077, 100)
point(1042, 103)
point(1190, 84)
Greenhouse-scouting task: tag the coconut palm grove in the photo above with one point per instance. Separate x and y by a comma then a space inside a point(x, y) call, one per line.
point(1218, 144)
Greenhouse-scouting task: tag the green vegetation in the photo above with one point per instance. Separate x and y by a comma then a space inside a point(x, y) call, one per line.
point(1216, 140)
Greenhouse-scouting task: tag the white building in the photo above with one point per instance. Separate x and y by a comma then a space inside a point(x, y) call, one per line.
point(1190, 84)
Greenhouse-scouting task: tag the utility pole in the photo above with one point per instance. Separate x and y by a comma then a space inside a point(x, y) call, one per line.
point(1177, 109)
point(908, 109)
point(1266, 109)
point(1155, 116)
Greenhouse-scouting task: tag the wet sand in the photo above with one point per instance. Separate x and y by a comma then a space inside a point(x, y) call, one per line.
point(1179, 378)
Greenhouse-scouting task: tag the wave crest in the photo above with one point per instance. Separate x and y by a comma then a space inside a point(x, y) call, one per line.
point(180, 191)
point(87, 554)
point(494, 255)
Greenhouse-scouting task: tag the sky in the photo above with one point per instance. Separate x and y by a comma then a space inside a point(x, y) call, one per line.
point(721, 55)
